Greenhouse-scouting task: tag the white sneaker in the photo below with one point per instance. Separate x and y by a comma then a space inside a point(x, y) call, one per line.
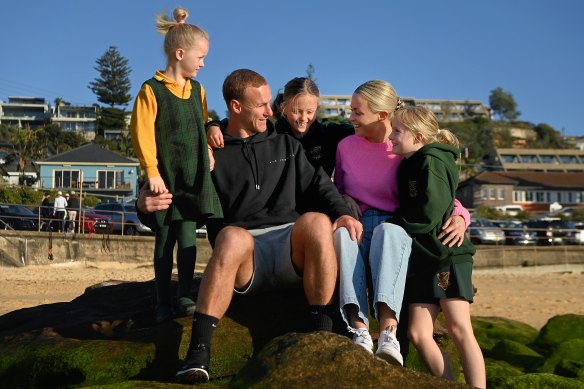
point(361, 337)
point(388, 348)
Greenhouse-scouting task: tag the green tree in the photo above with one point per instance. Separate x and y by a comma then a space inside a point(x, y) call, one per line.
point(61, 141)
point(111, 119)
point(503, 104)
point(310, 72)
point(112, 87)
point(213, 115)
point(548, 137)
point(27, 148)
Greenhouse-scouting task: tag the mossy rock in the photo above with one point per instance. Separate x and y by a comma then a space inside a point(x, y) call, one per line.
point(490, 330)
point(535, 381)
point(327, 360)
point(557, 330)
point(570, 369)
point(516, 354)
point(570, 350)
point(500, 369)
point(52, 363)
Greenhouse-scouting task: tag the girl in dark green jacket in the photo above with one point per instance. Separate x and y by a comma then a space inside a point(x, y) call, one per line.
point(440, 276)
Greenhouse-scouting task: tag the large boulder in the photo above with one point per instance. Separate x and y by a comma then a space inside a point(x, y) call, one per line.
point(490, 330)
point(327, 360)
point(557, 330)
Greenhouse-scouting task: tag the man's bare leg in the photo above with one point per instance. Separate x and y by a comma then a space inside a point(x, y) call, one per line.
point(314, 256)
point(230, 266)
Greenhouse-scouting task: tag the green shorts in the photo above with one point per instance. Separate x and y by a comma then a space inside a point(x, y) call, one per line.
point(429, 288)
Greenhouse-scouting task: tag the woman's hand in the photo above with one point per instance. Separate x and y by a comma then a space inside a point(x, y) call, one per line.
point(453, 231)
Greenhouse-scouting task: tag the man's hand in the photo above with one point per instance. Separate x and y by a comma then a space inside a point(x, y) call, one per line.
point(215, 137)
point(149, 202)
point(352, 225)
point(453, 231)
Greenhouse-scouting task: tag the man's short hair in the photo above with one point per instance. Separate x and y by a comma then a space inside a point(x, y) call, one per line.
point(236, 82)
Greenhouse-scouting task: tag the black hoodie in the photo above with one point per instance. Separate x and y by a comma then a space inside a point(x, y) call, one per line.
point(260, 181)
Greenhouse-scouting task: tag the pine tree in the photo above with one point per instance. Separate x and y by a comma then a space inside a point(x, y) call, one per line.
point(112, 87)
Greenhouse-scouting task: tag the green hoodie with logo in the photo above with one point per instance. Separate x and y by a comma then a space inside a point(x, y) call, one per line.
point(427, 182)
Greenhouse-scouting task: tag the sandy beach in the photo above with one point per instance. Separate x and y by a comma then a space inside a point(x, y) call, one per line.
point(529, 295)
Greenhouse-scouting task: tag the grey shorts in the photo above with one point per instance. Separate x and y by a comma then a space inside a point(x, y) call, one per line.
point(272, 261)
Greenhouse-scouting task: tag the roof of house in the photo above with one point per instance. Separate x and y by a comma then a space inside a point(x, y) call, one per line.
point(89, 153)
point(542, 179)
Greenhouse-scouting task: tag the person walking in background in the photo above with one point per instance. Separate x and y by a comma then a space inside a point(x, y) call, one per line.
point(168, 134)
point(366, 174)
point(45, 212)
point(60, 210)
point(440, 277)
point(72, 209)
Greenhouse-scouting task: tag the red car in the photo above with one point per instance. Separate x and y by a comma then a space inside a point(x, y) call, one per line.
point(96, 224)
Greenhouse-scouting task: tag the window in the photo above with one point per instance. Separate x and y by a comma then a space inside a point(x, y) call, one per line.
point(529, 159)
point(548, 159)
point(493, 194)
point(539, 197)
point(518, 196)
point(501, 194)
point(484, 193)
point(110, 179)
point(568, 159)
point(529, 197)
point(66, 179)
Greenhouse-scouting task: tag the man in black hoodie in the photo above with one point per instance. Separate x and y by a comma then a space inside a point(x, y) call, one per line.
point(262, 243)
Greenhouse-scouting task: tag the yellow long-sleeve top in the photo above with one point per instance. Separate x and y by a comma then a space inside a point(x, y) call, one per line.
point(144, 116)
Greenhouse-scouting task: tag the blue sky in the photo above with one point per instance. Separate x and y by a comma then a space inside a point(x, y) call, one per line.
point(450, 49)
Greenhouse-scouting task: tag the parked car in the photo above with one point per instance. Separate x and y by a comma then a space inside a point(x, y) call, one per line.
point(124, 218)
point(17, 217)
point(516, 232)
point(94, 223)
point(549, 231)
point(576, 233)
point(483, 231)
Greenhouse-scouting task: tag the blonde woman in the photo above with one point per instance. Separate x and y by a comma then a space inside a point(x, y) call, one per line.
point(366, 174)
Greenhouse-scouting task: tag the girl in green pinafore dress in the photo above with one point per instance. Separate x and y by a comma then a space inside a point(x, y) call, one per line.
point(168, 134)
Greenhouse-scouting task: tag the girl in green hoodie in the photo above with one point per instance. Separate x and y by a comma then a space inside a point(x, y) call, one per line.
point(439, 276)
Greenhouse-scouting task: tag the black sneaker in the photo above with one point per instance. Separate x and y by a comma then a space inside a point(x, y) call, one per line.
point(195, 369)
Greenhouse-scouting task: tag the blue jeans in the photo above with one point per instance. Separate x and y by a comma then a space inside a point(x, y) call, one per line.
point(386, 249)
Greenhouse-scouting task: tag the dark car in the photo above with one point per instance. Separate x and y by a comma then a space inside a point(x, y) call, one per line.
point(17, 217)
point(549, 231)
point(124, 218)
point(516, 232)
